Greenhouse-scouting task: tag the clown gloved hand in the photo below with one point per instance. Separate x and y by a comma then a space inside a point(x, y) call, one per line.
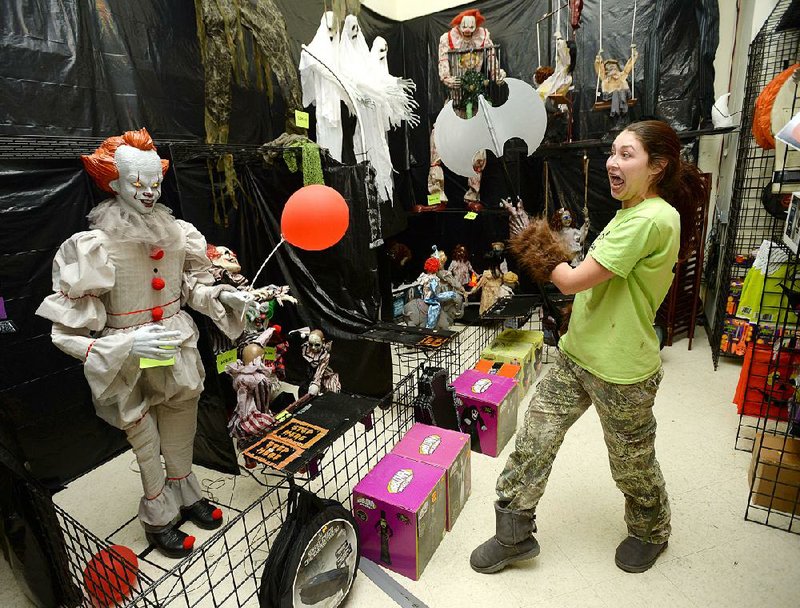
point(237, 301)
point(313, 389)
point(155, 342)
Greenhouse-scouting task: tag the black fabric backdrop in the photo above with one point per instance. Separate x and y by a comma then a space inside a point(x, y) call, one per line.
point(105, 67)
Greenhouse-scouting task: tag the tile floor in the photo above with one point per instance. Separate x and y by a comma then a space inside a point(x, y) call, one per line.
point(715, 558)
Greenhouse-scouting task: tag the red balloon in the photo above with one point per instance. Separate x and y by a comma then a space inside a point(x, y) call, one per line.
point(315, 217)
point(111, 575)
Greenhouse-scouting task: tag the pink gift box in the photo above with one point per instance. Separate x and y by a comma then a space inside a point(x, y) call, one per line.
point(400, 507)
point(488, 409)
point(448, 450)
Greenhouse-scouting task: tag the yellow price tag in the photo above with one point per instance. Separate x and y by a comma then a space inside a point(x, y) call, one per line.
point(270, 353)
point(434, 199)
point(145, 363)
point(225, 359)
point(301, 119)
point(471, 215)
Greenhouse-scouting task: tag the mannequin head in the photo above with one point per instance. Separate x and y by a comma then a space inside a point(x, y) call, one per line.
point(510, 279)
point(128, 165)
point(432, 265)
point(224, 258)
point(467, 26)
point(467, 22)
point(139, 183)
point(316, 340)
point(460, 253)
point(399, 253)
point(612, 68)
point(439, 255)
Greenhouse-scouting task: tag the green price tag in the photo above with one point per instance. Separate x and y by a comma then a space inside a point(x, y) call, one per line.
point(225, 359)
point(301, 119)
point(270, 353)
point(434, 199)
point(471, 215)
point(145, 363)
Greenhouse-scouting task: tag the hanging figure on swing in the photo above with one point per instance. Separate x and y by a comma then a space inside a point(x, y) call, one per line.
point(614, 82)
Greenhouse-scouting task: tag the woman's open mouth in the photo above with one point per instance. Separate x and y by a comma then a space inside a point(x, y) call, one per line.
point(616, 181)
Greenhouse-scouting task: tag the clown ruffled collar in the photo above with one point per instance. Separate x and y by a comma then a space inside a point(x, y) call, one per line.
point(157, 228)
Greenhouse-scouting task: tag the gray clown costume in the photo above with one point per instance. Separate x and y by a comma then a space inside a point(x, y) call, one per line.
point(128, 271)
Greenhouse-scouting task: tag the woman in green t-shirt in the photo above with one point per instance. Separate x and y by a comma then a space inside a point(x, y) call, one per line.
point(610, 353)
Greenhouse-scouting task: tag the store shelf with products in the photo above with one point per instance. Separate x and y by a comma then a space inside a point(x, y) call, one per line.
point(748, 222)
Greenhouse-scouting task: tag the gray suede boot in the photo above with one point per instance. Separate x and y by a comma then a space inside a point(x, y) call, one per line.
point(513, 541)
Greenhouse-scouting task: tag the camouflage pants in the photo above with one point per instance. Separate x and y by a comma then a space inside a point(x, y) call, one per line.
point(629, 429)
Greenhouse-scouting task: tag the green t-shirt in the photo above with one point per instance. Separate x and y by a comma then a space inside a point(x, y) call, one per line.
point(611, 328)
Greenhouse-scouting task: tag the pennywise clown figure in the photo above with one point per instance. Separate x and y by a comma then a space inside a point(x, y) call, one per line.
point(120, 288)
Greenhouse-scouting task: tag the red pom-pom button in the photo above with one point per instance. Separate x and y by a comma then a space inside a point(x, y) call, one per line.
point(157, 253)
point(188, 543)
point(158, 313)
point(158, 283)
point(216, 514)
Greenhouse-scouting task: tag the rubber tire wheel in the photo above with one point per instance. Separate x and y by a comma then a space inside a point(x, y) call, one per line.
point(296, 550)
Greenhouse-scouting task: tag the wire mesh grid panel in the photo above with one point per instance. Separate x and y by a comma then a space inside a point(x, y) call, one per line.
point(775, 482)
point(225, 570)
point(749, 223)
point(406, 359)
point(768, 378)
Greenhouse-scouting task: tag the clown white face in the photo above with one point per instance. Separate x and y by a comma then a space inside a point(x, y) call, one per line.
point(315, 340)
point(227, 260)
point(566, 218)
point(467, 26)
point(140, 176)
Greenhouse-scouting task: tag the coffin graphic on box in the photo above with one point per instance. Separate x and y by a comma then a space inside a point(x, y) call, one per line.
point(400, 481)
point(429, 444)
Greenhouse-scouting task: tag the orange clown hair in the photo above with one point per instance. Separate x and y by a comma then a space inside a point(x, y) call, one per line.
point(432, 265)
point(473, 12)
point(212, 253)
point(100, 163)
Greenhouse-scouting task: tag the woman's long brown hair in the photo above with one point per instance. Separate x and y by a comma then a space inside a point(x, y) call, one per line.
point(679, 183)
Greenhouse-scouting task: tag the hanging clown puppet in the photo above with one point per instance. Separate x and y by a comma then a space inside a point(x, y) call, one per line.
point(463, 73)
point(120, 289)
point(343, 68)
